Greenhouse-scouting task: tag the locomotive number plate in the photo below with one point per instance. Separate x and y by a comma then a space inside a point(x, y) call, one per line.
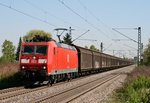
point(33, 61)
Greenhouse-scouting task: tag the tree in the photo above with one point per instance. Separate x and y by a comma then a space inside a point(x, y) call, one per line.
point(92, 47)
point(18, 49)
point(8, 50)
point(67, 39)
point(37, 36)
point(147, 54)
point(86, 47)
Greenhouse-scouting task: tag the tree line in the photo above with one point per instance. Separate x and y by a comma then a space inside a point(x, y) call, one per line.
point(146, 55)
point(11, 54)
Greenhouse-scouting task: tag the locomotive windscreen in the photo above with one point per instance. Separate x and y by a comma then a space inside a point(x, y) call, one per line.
point(28, 49)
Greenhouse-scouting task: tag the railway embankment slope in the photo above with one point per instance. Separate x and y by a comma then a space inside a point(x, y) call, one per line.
point(135, 89)
point(9, 75)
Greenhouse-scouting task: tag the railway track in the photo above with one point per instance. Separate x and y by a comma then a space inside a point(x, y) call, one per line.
point(18, 91)
point(76, 91)
point(10, 90)
point(90, 89)
point(58, 96)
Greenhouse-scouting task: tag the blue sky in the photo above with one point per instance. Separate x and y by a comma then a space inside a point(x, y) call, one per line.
point(98, 16)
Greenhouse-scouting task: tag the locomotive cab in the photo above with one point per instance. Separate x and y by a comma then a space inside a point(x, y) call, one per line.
point(33, 59)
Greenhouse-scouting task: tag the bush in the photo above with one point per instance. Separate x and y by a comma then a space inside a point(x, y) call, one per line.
point(9, 75)
point(136, 91)
point(12, 80)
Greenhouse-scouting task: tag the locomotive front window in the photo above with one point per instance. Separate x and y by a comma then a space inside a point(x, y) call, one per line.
point(35, 50)
point(41, 50)
point(28, 50)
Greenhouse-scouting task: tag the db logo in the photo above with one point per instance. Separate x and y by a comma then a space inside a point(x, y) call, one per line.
point(33, 61)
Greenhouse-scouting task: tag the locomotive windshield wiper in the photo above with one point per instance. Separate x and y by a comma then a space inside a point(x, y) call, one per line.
point(41, 53)
point(27, 53)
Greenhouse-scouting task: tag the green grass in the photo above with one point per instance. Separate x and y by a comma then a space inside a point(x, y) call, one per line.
point(136, 91)
point(136, 88)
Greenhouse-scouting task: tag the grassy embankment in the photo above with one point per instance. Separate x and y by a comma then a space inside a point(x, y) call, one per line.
point(136, 89)
point(9, 75)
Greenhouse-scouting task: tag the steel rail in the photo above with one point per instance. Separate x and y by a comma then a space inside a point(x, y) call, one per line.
point(72, 90)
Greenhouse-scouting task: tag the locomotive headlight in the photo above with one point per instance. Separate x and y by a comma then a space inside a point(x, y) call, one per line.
point(34, 57)
point(42, 61)
point(23, 67)
point(44, 67)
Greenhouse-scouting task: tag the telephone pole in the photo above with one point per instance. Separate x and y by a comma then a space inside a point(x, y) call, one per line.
point(101, 46)
point(70, 31)
point(139, 47)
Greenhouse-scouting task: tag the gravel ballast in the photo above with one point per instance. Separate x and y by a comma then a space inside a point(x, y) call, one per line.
point(96, 96)
point(104, 93)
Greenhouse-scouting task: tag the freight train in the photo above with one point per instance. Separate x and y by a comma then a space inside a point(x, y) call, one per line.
point(50, 61)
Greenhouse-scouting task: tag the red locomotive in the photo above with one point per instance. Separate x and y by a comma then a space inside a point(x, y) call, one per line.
point(51, 61)
point(46, 59)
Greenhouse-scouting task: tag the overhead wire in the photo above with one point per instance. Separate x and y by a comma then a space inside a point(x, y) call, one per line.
point(107, 47)
point(92, 14)
point(11, 2)
point(48, 13)
point(125, 35)
point(33, 17)
point(130, 47)
point(35, 6)
point(85, 20)
point(80, 36)
point(88, 39)
point(133, 49)
point(39, 19)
